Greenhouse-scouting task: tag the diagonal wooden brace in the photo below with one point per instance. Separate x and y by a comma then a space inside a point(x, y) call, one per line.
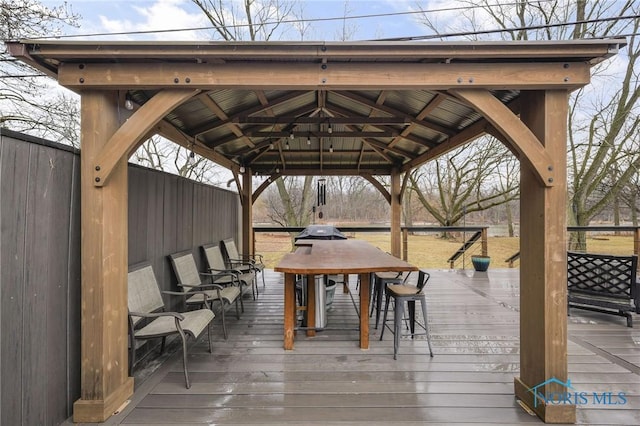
point(130, 134)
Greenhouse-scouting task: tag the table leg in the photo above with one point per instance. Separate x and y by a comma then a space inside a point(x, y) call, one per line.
point(289, 309)
point(379, 289)
point(365, 284)
point(311, 305)
point(345, 283)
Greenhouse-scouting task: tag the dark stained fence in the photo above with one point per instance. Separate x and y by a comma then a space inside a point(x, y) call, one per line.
point(40, 263)
point(39, 281)
point(170, 214)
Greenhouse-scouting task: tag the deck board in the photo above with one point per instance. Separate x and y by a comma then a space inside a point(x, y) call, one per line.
point(328, 379)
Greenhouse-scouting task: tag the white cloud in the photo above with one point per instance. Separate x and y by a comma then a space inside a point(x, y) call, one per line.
point(159, 15)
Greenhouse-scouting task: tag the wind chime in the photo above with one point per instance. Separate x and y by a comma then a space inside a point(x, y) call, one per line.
point(322, 196)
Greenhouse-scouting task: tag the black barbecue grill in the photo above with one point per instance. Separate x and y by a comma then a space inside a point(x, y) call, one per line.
point(320, 232)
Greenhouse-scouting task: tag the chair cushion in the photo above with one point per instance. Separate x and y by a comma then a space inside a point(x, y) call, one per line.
point(194, 323)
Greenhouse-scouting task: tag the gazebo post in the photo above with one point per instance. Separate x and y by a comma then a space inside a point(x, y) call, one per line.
point(247, 212)
point(104, 380)
point(543, 277)
point(396, 213)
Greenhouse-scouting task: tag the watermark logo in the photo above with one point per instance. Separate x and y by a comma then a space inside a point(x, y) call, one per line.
point(574, 397)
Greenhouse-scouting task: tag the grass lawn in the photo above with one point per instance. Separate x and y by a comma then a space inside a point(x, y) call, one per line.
point(431, 251)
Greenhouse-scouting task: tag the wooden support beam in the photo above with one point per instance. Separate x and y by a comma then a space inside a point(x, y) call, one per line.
point(405, 244)
point(469, 134)
point(380, 108)
point(247, 212)
point(484, 242)
point(234, 118)
point(220, 113)
point(236, 179)
point(377, 150)
point(297, 170)
point(379, 186)
point(264, 186)
point(543, 261)
point(294, 76)
point(520, 136)
point(396, 214)
point(322, 134)
point(130, 134)
point(290, 119)
point(166, 130)
point(428, 108)
point(104, 381)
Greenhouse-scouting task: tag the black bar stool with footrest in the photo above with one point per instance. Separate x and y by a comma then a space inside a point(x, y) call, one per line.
point(379, 283)
point(402, 293)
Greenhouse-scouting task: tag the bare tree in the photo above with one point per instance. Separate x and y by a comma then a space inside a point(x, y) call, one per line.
point(254, 20)
point(475, 178)
point(30, 102)
point(352, 198)
point(630, 197)
point(160, 154)
point(348, 29)
point(604, 116)
point(232, 21)
point(290, 202)
point(248, 19)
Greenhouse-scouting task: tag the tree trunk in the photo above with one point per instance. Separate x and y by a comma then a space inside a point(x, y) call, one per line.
point(407, 210)
point(616, 214)
point(634, 208)
point(509, 220)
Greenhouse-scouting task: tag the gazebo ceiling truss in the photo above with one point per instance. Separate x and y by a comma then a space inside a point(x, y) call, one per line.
point(321, 108)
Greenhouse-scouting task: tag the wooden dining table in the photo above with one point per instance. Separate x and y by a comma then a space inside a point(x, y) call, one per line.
point(327, 257)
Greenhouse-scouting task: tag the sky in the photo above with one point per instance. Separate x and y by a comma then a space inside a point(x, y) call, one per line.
point(117, 16)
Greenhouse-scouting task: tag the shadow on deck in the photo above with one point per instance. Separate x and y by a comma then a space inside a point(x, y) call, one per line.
point(250, 379)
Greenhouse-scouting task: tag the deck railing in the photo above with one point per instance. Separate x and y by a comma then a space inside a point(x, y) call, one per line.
point(463, 251)
point(599, 229)
point(406, 231)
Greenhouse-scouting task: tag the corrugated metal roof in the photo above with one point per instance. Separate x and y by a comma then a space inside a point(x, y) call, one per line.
point(245, 109)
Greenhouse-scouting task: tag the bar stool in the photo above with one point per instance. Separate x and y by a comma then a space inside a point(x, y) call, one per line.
point(379, 283)
point(402, 293)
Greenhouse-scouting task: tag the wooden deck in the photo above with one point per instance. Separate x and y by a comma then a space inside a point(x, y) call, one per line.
point(327, 380)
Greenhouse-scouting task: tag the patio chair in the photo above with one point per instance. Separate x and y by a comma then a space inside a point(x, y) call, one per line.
point(216, 264)
point(223, 287)
point(236, 260)
point(149, 320)
point(402, 293)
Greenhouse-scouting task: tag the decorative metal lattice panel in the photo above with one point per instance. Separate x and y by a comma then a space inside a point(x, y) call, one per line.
point(602, 275)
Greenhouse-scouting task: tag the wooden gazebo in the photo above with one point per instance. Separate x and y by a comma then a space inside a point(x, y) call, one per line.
point(274, 109)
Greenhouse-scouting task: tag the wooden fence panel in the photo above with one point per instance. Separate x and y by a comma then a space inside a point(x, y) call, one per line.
point(14, 160)
point(40, 263)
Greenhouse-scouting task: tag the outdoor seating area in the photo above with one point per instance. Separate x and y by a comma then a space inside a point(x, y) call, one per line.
point(328, 379)
point(146, 307)
point(222, 287)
